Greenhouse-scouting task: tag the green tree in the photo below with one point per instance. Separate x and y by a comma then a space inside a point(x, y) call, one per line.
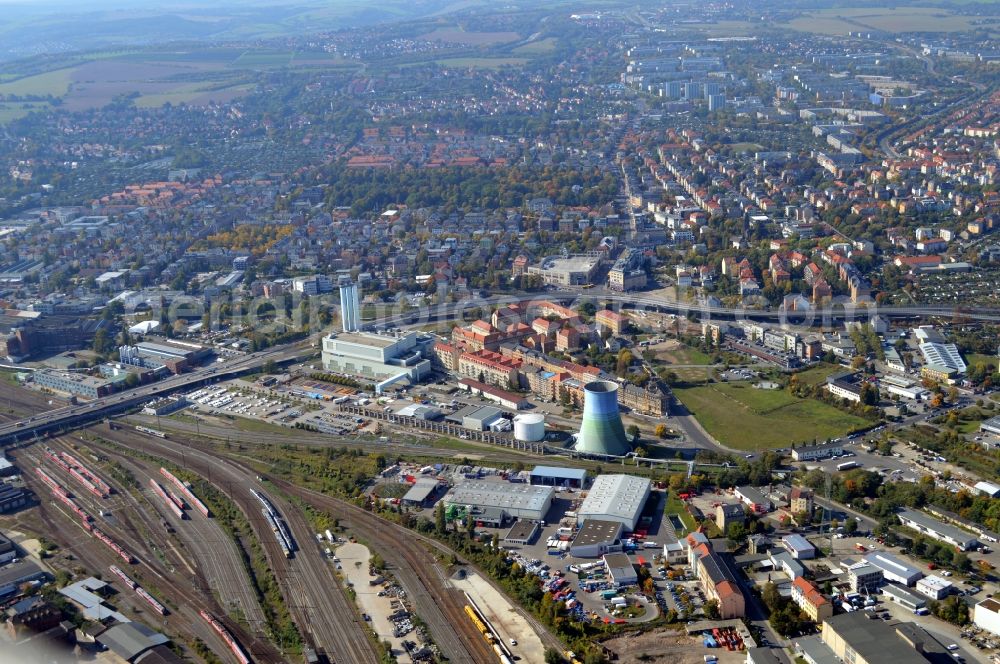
point(553, 656)
point(439, 520)
point(103, 344)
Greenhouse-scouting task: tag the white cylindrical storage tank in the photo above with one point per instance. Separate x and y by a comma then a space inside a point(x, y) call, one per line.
point(529, 427)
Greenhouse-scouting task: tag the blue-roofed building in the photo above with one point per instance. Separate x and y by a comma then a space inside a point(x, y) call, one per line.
point(557, 476)
point(798, 546)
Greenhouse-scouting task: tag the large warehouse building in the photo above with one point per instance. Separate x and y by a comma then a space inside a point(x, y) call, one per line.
point(521, 501)
point(557, 476)
point(618, 498)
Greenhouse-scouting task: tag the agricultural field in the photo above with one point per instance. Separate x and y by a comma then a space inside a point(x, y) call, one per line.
point(190, 76)
point(743, 417)
point(456, 35)
point(55, 83)
point(539, 47)
point(842, 20)
point(256, 59)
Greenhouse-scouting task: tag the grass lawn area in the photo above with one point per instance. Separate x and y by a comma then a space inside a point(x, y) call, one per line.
point(742, 417)
point(746, 147)
point(680, 354)
point(676, 506)
point(257, 426)
point(818, 374)
point(976, 359)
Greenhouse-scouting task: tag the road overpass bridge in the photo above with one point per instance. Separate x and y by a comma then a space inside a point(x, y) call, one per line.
point(74, 416)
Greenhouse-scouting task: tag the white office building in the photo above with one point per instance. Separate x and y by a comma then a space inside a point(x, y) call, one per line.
point(934, 587)
point(986, 615)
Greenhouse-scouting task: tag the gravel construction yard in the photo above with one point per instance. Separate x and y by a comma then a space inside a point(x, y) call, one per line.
point(367, 596)
point(505, 618)
point(668, 647)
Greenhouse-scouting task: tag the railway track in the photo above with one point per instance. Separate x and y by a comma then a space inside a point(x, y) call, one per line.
point(410, 555)
point(324, 617)
point(218, 562)
point(150, 568)
point(438, 604)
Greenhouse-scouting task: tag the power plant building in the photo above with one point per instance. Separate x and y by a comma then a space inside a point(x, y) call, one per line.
point(602, 431)
point(380, 358)
point(350, 307)
point(618, 498)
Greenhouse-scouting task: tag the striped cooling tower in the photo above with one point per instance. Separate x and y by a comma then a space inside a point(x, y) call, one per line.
point(602, 431)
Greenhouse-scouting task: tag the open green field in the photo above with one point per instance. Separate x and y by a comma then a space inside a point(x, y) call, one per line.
point(457, 35)
point(482, 63)
point(13, 110)
point(55, 83)
point(539, 47)
point(264, 59)
point(841, 20)
point(742, 417)
point(192, 94)
point(675, 353)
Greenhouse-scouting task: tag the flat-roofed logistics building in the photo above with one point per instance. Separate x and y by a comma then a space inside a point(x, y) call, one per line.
point(935, 587)
point(939, 530)
point(522, 533)
point(521, 501)
point(557, 476)
point(616, 498)
point(893, 569)
point(596, 538)
point(621, 571)
point(904, 597)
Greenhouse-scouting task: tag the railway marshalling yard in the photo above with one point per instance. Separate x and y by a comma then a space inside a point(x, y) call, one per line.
point(229, 565)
